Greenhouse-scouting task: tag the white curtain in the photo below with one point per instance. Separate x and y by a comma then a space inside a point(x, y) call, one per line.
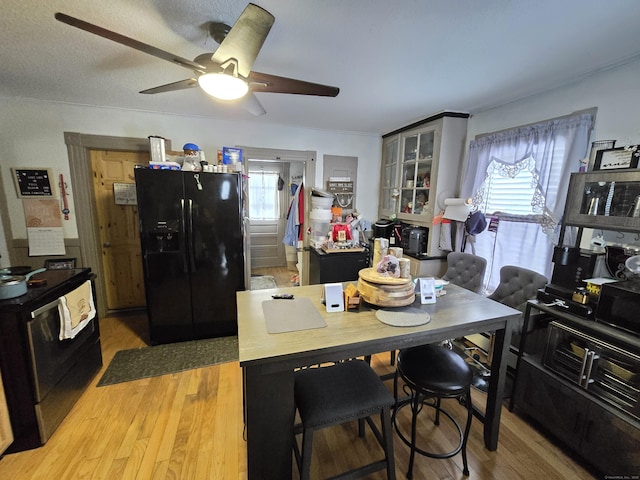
point(556, 147)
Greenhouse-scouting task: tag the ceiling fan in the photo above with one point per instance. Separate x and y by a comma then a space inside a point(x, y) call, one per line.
point(225, 74)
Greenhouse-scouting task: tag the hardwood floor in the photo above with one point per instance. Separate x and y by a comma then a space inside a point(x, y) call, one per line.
point(189, 425)
point(283, 277)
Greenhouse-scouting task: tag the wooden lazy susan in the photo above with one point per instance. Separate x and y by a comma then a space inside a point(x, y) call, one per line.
point(385, 291)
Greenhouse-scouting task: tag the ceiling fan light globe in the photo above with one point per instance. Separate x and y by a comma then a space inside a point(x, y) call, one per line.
point(223, 86)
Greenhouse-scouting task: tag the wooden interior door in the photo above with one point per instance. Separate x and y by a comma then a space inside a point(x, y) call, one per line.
point(118, 227)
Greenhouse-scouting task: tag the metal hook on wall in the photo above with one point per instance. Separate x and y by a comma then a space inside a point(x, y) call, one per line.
point(63, 193)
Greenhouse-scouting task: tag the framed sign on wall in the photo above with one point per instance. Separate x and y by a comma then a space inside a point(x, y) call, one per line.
point(33, 182)
point(617, 158)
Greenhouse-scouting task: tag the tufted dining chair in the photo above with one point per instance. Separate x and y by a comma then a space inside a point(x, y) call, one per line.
point(465, 270)
point(517, 286)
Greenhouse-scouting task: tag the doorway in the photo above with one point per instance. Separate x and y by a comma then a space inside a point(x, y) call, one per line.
point(268, 204)
point(118, 228)
point(79, 147)
point(301, 166)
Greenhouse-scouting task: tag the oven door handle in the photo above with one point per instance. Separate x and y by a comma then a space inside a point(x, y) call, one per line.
point(45, 308)
point(587, 375)
point(583, 367)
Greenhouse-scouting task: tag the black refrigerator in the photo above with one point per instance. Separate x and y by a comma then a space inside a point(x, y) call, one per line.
point(193, 252)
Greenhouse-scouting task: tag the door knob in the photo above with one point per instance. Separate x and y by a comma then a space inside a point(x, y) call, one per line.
point(106, 244)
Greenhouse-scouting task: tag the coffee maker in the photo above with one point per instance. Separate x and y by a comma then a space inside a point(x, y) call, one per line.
point(414, 240)
point(571, 267)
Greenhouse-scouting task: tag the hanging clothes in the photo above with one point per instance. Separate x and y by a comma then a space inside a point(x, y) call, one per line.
point(301, 213)
point(295, 213)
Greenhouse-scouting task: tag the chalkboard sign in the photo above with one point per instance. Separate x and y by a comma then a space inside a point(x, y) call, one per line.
point(33, 182)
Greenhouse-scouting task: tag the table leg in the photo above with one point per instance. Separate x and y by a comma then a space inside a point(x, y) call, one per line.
point(270, 415)
point(523, 342)
point(496, 387)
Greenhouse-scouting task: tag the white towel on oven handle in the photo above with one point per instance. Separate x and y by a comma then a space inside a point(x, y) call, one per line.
point(82, 304)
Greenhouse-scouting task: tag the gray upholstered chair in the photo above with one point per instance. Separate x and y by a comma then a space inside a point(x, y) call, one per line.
point(465, 270)
point(517, 286)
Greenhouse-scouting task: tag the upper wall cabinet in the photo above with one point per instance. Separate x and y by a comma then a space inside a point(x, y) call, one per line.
point(420, 164)
point(388, 179)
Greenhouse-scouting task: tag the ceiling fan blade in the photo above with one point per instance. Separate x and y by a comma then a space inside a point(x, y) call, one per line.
point(171, 87)
point(252, 105)
point(245, 39)
point(128, 42)
point(264, 82)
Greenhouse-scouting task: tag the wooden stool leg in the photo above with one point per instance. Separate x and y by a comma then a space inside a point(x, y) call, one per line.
point(307, 443)
point(387, 435)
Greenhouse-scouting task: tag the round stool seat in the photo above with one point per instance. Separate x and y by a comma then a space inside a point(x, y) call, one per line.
point(435, 369)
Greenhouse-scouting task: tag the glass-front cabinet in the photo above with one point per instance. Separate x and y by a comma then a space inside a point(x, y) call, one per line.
point(420, 164)
point(388, 195)
point(417, 161)
point(605, 200)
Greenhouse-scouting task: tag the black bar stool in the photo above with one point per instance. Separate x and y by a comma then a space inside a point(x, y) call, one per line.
point(433, 372)
point(337, 394)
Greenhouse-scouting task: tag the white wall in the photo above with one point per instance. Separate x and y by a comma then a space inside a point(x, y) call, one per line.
point(616, 94)
point(32, 136)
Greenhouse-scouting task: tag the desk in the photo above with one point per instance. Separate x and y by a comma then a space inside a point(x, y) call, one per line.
point(268, 360)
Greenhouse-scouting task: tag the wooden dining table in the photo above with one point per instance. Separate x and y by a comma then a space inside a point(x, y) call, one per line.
point(268, 360)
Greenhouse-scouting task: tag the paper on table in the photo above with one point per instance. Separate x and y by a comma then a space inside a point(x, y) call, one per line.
point(291, 315)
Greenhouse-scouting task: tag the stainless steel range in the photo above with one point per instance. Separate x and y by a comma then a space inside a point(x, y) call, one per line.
point(43, 375)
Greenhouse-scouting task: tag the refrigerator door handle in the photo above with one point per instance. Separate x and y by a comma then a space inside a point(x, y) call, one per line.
point(192, 242)
point(183, 233)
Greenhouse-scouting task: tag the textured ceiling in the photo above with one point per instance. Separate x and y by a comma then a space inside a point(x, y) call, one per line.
point(394, 62)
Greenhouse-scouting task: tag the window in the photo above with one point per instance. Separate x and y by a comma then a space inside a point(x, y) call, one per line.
point(519, 178)
point(263, 195)
point(511, 191)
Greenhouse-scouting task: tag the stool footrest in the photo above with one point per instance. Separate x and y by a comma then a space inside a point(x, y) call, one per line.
point(407, 442)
